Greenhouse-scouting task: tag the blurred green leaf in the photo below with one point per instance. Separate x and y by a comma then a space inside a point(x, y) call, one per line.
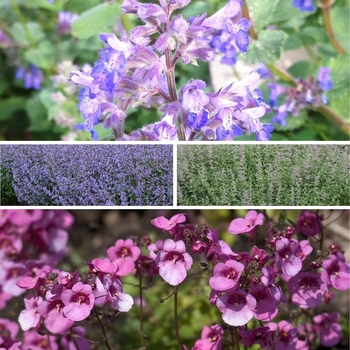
point(43, 56)
point(95, 21)
point(340, 76)
point(300, 69)
point(43, 4)
point(340, 22)
point(19, 35)
point(284, 11)
point(11, 105)
point(268, 49)
point(293, 123)
point(261, 12)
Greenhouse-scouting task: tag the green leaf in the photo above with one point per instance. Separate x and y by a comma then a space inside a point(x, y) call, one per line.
point(340, 24)
point(300, 69)
point(37, 115)
point(340, 105)
point(95, 21)
point(340, 76)
point(261, 12)
point(11, 105)
point(268, 48)
point(19, 35)
point(43, 4)
point(43, 56)
point(284, 11)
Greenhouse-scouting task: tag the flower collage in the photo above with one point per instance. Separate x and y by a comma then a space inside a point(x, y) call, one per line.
point(174, 175)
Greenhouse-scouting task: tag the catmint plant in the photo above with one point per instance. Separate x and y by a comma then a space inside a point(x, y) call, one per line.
point(138, 70)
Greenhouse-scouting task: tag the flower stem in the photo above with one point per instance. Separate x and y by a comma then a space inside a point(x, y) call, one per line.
point(245, 13)
point(176, 321)
point(326, 9)
point(334, 117)
point(141, 313)
point(23, 23)
point(104, 335)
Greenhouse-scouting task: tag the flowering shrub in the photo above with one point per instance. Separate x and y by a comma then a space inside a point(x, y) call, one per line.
point(278, 294)
point(142, 69)
point(263, 175)
point(87, 174)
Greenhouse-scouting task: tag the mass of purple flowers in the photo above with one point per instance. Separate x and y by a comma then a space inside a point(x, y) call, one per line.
point(90, 174)
point(138, 69)
point(269, 296)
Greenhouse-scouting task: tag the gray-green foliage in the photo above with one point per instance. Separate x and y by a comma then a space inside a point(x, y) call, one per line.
point(264, 175)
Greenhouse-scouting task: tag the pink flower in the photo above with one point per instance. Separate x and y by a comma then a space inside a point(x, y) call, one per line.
point(173, 262)
point(236, 306)
point(226, 276)
point(266, 306)
point(285, 338)
point(30, 317)
point(211, 338)
point(287, 256)
point(307, 289)
point(124, 254)
point(336, 272)
point(165, 224)
point(246, 225)
point(328, 328)
point(261, 336)
point(35, 341)
point(309, 223)
point(78, 301)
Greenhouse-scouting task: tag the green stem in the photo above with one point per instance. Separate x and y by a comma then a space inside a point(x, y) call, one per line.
point(326, 9)
point(104, 335)
point(281, 74)
point(176, 321)
point(23, 23)
point(334, 117)
point(141, 313)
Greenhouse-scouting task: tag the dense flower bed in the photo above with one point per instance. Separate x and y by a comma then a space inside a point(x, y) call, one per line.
point(263, 175)
point(87, 174)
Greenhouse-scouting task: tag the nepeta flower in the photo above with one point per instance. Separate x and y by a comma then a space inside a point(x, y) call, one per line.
point(246, 225)
point(236, 306)
point(32, 76)
point(307, 289)
point(173, 262)
point(328, 328)
point(304, 5)
point(124, 254)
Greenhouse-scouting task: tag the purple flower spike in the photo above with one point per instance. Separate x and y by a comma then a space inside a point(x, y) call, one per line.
point(236, 306)
point(324, 78)
point(328, 328)
point(173, 262)
point(226, 275)
point(246, 225)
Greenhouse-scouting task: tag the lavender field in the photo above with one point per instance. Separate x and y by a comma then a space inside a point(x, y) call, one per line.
point(86, 175)
point(288, 175)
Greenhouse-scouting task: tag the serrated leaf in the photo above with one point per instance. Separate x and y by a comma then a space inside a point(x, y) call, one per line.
point(20, 36)
point(43, 56)
point(11, 105)
point(340, 24)
point(95, 21)
point(261, 12)
point(268, 48)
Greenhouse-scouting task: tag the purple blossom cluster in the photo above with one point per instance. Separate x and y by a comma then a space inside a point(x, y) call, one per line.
point(248, 285)
point(32, 76)
point(31, 241)
point(309, 92)
point(89, 175)
point(138, 69)
point(265, 285)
